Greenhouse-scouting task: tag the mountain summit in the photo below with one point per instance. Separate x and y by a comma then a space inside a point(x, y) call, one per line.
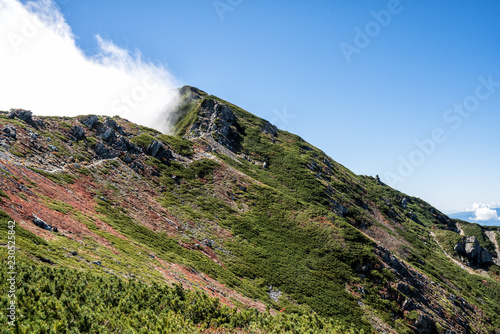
point(258, 231)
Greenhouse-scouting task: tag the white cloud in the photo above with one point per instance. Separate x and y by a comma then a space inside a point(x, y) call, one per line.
point(484, 212)
point(42, 69)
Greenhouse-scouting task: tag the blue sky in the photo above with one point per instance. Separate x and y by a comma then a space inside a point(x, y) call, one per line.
point(287, 62)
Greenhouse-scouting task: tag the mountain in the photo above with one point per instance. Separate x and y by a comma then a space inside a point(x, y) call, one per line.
point(228, 226)
point(470, 216)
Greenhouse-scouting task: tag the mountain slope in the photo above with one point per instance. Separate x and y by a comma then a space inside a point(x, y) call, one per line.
point(247, 213)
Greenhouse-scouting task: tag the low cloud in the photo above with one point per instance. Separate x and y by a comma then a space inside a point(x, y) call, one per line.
point(485, 212)
point(43, 70)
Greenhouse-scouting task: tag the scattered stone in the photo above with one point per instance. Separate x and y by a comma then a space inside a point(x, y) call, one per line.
point(408, 305)
point(208, 243)
point(274, 294)
point(10, 131)
point(40, 223)
point(53, 148)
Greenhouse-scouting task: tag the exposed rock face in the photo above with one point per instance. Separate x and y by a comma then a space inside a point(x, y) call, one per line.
point(425, 325)
point(25, 116)
point(477, 255)
point(89, 121)
point(157, 150)
point(77, 132)
point(111, 123)
point(404, 202)
point(217, 119)
point(269, 129)
point(10, 131)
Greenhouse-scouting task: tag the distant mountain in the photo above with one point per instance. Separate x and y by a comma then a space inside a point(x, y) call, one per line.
point(470, 215)
point(258, 230)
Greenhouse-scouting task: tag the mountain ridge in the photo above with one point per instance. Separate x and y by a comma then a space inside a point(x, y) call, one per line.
point(259, 213)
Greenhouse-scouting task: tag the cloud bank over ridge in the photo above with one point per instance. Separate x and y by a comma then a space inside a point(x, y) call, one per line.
point(43, 70)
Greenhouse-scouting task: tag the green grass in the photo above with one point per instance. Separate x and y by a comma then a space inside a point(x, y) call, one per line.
point(60, 178)
point(60, 300)
point(179, 145)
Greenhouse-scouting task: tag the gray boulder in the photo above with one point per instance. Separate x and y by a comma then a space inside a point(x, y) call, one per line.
point(77, 132)
point(25, 116)
point(469, 247)
point(425, 325)
point(157, 150)
point(10, 131)
point(40, 223)
point(89, 121)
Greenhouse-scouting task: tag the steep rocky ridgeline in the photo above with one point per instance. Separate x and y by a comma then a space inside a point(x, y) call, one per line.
point(247, 213)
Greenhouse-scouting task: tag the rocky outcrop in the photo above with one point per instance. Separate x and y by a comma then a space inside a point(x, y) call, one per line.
point(77, 132)
point(268, 128)
point(10, 131)
point(25, 116)
point(476, 255)
point(218, 120)
point(425, 325)
point(89, 121)
point(157, 150)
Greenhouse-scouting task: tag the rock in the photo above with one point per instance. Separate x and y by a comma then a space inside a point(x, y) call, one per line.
point(486, 256)
point(208, 243)
point(45, 260)
point(104, 152)
point(97, 262)
point(469, 246)
point(40, 223)
point(218, 120)
point(89, 121)
point(108, 134)
point(77, 132)
point(408, 305)
point(55, 229)
point(25, 116)
point(73, 253)
point(268, 128)
point(111, 123)
point(404, 202)
point(425, 325)
point(53, 148)
point(10, 131)
point(274, 294)
point(413, 217)
point(32, 134)
point(157, 150)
